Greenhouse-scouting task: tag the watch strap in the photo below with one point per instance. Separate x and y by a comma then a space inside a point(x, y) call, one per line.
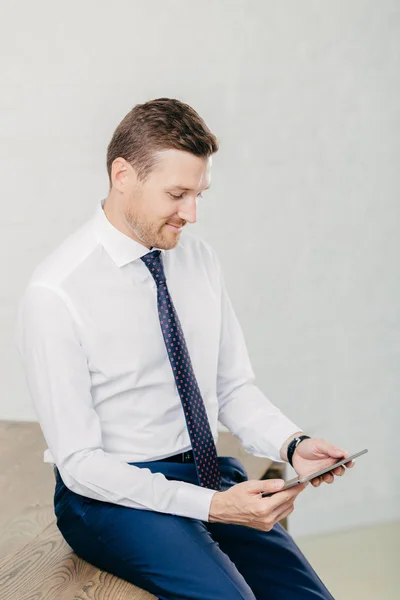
point(293, 445)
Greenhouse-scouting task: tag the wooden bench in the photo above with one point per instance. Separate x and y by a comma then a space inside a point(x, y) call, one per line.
point(35, 561)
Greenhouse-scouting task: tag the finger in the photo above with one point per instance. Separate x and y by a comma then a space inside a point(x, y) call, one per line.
point(342, 469)
point(343, 453)
point(316, 481)
point(331, 450)
point(270, 486)
point(328, 477)
point(339, 471)
point(285, 513)
point(276, 514)
point(280, 498)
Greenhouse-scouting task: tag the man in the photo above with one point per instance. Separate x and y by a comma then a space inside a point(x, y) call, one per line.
point(132, 352)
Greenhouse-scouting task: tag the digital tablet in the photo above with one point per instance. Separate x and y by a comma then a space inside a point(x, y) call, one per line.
point(297, 480)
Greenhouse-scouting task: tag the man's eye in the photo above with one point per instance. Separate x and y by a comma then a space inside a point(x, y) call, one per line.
point(181, 196)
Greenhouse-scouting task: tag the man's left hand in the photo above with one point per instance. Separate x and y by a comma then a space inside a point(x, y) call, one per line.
point(314, 454)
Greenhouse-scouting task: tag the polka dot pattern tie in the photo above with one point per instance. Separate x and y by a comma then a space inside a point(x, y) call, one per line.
point(203, 446)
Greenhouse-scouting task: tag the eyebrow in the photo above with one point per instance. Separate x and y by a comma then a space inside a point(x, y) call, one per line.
point(185, 189)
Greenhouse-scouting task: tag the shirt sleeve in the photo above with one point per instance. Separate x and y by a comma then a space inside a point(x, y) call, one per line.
point(260, 426)
point(57, 373)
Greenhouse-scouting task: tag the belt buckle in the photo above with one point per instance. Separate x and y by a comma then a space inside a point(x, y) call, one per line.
point(186, 457)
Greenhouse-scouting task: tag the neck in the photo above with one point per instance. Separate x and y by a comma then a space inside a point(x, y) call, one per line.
point(116, 218)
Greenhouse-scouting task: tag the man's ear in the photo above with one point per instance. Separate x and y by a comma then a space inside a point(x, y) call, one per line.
point(121, 173)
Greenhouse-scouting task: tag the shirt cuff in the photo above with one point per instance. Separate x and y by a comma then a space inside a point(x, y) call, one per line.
point(268, 442)
point(194, 501)
point(278, 436)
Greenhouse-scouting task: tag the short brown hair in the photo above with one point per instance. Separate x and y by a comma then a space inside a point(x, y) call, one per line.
point(160, 124)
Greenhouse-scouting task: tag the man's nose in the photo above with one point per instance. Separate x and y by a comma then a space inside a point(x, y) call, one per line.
point(187, 210)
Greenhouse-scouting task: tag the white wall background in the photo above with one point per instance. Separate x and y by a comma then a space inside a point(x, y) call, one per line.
point(303, 210)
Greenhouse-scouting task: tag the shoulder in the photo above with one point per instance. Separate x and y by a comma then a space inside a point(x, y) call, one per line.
point(66, 259)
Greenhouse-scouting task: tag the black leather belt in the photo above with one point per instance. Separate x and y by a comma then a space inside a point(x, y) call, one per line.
point(183, 457)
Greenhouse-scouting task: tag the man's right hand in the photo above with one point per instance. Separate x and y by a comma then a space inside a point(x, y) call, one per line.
point(242, 504)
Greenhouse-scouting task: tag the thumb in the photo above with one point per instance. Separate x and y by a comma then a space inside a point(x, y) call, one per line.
point(266, 485)
point(330, 449)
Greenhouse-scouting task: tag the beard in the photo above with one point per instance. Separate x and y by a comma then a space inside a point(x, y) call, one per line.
point(149, 233)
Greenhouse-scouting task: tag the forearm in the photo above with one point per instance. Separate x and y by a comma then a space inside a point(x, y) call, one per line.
point(260, 426)
point(99, 475)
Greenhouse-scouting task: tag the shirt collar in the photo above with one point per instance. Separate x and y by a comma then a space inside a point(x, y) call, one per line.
point(122, 248)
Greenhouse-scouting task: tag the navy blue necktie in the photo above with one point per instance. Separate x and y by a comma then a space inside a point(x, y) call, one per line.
point(203, 446)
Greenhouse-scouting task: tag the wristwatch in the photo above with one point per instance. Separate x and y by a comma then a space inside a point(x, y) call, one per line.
point(293, 445)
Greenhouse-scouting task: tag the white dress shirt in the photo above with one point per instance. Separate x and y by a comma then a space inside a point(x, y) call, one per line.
point(100, 379)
